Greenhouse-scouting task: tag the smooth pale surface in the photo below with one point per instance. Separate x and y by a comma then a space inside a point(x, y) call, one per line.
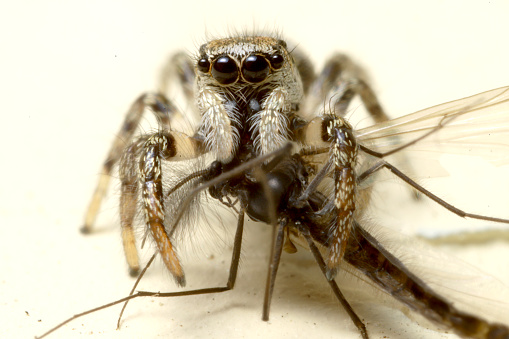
point(68, 73)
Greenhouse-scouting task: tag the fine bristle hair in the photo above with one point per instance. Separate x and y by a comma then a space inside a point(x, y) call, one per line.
point(268, 30)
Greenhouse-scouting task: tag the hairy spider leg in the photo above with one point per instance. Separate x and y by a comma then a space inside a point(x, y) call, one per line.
point(163, 109)
point(140, 169)
point(179, 66)
point(339, 80)
point(332, 133)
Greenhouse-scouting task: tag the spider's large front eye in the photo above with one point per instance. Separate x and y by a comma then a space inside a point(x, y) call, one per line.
point(225, 70)
point(203, 65)
point(255, 68)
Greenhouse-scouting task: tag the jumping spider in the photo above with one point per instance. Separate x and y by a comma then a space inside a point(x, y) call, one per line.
point(282, 153)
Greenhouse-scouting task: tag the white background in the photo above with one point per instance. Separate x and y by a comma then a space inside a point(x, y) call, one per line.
point(69, 71)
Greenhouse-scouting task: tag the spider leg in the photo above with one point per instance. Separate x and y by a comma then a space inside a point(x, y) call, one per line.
point(339, 80)
point(148, 152)
point(335, 134)
point(128, 172)
point(163, 109)
point(179, 67)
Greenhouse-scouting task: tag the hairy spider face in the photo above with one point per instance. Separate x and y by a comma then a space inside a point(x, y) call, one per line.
point(247, 90)
point(247, 61)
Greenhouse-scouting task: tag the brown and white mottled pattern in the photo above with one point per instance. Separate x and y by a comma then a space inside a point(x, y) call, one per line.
point(155, 149)
point(344, 156)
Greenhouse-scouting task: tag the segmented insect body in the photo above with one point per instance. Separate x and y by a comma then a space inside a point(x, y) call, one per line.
point(278, 166)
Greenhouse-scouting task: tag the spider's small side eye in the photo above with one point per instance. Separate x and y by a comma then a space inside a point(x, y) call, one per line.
point(255, 68)
point(225, 70)
point(203, 65)
point(277, 61)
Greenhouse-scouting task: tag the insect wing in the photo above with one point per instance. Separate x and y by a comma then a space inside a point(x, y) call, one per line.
point(477, 125)
point(467, 287)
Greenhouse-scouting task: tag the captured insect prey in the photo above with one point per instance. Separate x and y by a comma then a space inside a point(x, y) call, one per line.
point(267, 138)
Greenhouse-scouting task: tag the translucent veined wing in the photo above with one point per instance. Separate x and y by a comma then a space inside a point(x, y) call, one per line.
point(465, 286)
point(477, 125)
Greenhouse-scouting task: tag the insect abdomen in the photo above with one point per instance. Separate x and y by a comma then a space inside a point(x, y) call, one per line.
point(369, 256)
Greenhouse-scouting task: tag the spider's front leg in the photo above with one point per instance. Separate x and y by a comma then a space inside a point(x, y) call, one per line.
point(141, 169)
point(334, 134)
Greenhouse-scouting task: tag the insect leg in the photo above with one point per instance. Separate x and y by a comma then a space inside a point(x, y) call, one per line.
point(321, 263)
point(384, 164)
point(275, 255)
point(232, 276)
point(163, 109)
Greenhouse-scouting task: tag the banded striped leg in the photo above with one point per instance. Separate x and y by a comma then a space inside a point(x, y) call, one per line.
point(181, 68)
point(339, 80)
point(163, 109)
point(333, 90)
point(333, 134)
point(158, 147)
point(128, 173)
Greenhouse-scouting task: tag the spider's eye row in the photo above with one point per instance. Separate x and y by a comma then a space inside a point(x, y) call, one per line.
point(276, 61)
point(255, 68)
point(203, 65)
point(225, 70)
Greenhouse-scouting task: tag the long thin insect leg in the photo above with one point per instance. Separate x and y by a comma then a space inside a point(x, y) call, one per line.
point(234, 266)
point(321, 263)
point(275, 255)
point(384, 164)
point(134, 287)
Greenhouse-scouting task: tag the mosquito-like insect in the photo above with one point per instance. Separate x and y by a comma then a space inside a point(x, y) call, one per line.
point(275, 146)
